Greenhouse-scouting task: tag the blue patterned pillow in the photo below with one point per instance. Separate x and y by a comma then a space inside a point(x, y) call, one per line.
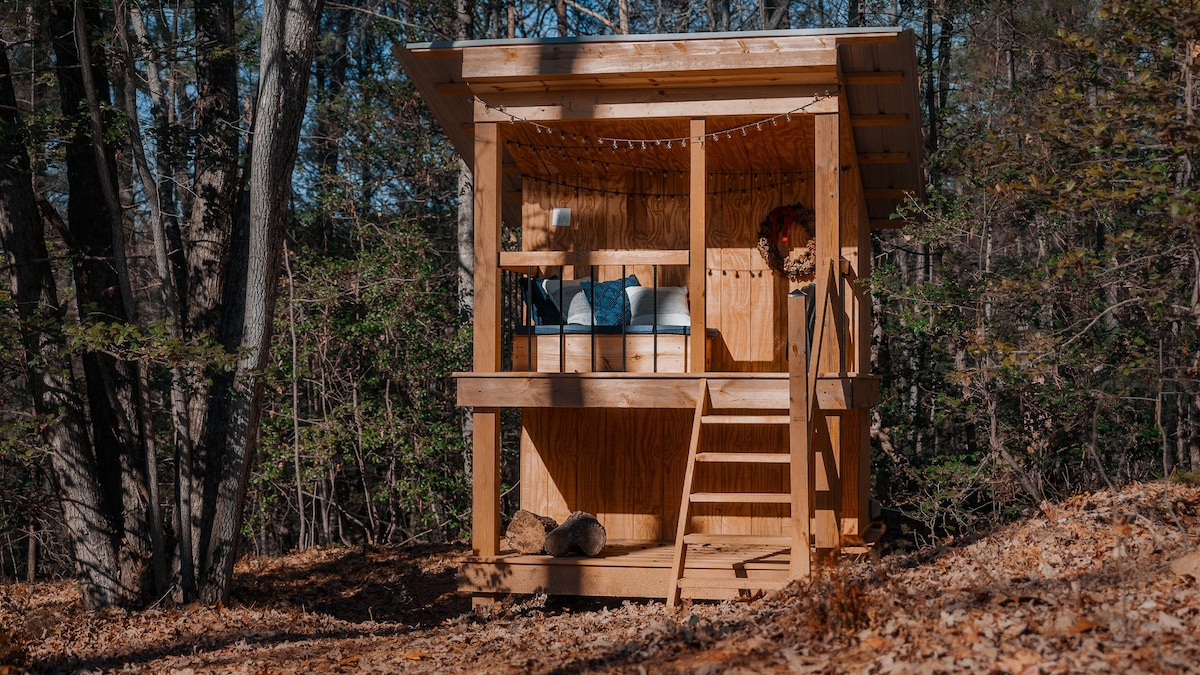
point(607, 298)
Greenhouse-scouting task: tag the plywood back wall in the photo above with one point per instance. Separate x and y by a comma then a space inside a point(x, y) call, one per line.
point(648, 210)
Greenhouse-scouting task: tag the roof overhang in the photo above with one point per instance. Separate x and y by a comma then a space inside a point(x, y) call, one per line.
point(615, 79)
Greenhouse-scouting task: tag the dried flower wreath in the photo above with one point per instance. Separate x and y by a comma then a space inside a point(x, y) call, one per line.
point(801, 263)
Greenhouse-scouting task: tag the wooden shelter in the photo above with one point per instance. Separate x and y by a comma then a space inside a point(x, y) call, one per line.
point(725, 442)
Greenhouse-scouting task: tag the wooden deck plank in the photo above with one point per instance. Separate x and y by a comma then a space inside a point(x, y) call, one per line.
point(741, 498)
point(745, 457)
point(655, 390)
point(628, 569)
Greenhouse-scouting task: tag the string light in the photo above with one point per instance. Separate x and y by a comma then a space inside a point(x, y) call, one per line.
point(784, 178)
point(644, 143)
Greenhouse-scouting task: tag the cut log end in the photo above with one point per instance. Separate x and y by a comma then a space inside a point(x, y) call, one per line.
point(527, 532)
point(579, 533)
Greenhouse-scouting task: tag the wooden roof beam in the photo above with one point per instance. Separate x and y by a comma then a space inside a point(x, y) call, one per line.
point(660, 57)
point(608, 106)
point(590, 84)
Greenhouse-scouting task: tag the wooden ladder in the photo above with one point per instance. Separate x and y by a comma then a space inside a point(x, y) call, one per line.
point(800, 412)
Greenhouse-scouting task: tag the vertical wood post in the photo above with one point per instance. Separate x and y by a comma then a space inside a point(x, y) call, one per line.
point(799, 431)
point(855, 461)
point(828, 212)
point(698, 235)
point(485, 458)
point(827, 338)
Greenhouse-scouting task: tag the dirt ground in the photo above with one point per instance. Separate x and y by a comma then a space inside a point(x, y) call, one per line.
point(1105, 582)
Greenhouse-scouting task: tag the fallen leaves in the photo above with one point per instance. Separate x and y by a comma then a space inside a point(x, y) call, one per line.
point(1102, 582)
point(1187, 565)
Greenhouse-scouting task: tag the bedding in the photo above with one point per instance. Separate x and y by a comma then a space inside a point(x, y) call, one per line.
point(668, 306)
point(608, 303)
point(615, 303)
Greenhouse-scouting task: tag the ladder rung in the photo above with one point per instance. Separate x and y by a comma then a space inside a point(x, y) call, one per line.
point(741, 539)
point(745, 419)
point(748, 584)
point(741, 497)
point(745, 457)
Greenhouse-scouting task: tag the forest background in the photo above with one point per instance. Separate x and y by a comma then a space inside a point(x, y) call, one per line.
point(170, 394)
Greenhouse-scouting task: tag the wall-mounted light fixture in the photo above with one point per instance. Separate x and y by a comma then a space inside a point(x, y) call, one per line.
point(560, 217)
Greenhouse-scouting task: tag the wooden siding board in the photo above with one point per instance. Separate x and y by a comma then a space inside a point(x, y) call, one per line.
point(549, 463)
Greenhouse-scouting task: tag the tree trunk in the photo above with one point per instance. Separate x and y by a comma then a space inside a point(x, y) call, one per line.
point(47, 367)
point(464, 30)
point(208, 236)
point(289, 38)
point(560, 11)
point(102, 295)
point(775, 14)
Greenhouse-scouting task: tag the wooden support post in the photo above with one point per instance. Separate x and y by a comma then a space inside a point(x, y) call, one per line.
point(828, 336)
point(485, 482)
point(799, 430)
point(828, 212)
point(698, 235)
point(485, 460)
point(855, 461)
point(855, 471)
point(488, 175)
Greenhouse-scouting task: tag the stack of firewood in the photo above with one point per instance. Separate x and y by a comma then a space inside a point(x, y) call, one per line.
point(532, 534)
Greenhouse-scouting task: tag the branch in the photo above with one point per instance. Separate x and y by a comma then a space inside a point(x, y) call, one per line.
point(595, 15)
point(385, 17)
point(1085, 328)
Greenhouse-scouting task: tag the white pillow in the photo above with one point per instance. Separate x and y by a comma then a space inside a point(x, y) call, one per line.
point(672, 306)
point(572, 295)
point(579, 310)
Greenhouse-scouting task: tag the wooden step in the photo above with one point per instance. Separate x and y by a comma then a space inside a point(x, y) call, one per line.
point(741, 497)
point(745, 457)
point(748, 584)
point(745, 419)
point(739, 539)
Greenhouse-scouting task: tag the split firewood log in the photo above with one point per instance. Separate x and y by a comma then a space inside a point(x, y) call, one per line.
point(580, 532)
point(527, 532)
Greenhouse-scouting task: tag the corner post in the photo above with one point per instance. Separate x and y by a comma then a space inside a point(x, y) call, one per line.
point(485, 458)
point(827, 338)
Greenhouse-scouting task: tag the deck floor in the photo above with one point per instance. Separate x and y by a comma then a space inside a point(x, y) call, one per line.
point(624, 569)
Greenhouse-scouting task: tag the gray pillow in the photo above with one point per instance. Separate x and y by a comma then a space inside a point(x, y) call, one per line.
point(571, 300)
point(672, 306)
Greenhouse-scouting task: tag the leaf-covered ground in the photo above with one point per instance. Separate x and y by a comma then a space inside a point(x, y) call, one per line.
point(1106, 582)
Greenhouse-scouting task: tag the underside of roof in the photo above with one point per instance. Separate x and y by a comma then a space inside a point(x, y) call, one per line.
point(599, 105)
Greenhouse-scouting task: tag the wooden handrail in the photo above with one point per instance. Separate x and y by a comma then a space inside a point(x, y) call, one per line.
point(520, 261)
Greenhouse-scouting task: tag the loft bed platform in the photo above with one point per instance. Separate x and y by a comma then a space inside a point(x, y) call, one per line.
point(657, 390)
